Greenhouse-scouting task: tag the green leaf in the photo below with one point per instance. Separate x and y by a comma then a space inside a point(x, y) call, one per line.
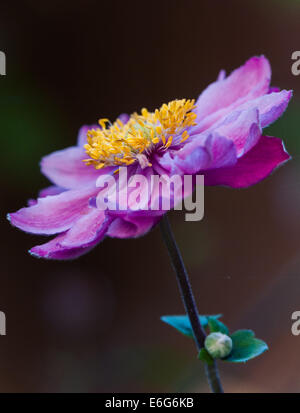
point(242, 336)
point(205, 356)
point(182, 322)
point(216, 326)
point(245, 347)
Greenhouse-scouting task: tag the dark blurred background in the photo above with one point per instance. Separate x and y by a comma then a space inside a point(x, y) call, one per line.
point(92, 325)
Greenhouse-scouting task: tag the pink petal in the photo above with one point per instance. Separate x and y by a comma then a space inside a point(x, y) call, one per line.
point(242, 128)
point(251, 168)
point(274, 89)
point(50, 191)
point(86, 229)
point(221, 75)
point(53, 214)
point(247, 82)
point(53, 250)
point(270, 106)
point(30, 203)
point(76, 241)
point(131, 227)
point(66, 168)
point(121, 229)
point(203, 152)
point(124, 117)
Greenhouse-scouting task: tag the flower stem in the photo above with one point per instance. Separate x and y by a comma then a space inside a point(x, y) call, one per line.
point(189, 301)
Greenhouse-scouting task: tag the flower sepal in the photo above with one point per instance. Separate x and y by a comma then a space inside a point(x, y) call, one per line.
point(205, 356)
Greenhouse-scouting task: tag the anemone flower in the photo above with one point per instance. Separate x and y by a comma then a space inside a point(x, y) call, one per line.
point(218, 136)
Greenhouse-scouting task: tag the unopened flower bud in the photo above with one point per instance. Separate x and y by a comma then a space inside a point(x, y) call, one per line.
point(218, 345)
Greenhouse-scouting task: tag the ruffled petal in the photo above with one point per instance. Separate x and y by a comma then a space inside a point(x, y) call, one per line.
point(270, 107)
point(53, 214)
point(86, 229)
point(251, 168)
point(66, 168)
point(243, 128)
point(203, 152)
point(49, 191)
point(80, 239)
point(247, 82)
point(53, 250)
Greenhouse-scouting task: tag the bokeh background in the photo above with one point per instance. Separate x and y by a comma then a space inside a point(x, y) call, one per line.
point(93, 325)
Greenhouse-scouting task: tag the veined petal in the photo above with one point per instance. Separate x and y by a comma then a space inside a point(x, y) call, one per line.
point(86, 229)
point(251, 168)
point(50, 191)
point(66, 168)
point(270, 106)
point(86, 233)
point(54, 250)
point(243, 128)
point(247, 82)
point(187, 160)
point(53, 214)
point(203, 152)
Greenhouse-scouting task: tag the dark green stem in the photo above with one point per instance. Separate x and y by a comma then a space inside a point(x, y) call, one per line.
point(189, 300)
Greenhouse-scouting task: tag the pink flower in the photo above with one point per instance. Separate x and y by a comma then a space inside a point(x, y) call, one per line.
point(220, 137)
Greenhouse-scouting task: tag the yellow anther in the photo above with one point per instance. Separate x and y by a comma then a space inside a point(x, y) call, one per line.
point(158, 130)
point(102, 122)
point(184, 136)
point(100, 165)
point(169, 143)
point(122, 144)
point(145, 112)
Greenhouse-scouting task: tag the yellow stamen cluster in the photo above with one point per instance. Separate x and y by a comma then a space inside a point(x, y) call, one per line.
point(123, 144)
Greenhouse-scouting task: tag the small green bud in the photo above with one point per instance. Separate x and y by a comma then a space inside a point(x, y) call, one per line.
point(218, 345)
